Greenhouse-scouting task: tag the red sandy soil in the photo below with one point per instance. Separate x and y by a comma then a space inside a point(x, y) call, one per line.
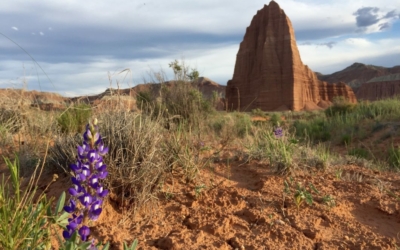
point(242, 207)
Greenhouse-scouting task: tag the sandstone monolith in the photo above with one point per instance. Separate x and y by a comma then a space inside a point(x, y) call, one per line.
point(269, 73)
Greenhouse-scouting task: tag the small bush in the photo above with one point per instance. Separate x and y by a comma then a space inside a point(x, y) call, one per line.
point(316, 130)
point(10, 120)
point(359, 153)
point(340, 106)
point(74, 119)
point(242, 124)
point(137, 158)
point(258, 112)
point(275, 119)
point(346, 139)
point(217, 125)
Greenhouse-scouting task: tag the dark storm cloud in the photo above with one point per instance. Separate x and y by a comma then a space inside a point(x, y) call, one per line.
point(391, 14)
point(366, 16)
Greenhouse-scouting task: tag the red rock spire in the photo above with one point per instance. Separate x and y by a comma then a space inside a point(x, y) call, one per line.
point(269, 73)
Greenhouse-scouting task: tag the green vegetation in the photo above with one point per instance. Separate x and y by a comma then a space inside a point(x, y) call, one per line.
point(74, 118)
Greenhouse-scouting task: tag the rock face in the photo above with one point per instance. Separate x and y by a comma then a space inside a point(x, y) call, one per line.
point(380, 88)
point(269, 73)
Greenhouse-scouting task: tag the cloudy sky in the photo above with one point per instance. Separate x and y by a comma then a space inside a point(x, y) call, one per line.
point(82, 46)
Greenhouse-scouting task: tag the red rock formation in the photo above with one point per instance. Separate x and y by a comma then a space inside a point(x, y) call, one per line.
point(269, 73)
point(373, 91)
point(380, 88)
point(357, 74)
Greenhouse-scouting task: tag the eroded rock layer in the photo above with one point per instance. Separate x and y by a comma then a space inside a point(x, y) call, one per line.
point(269, 73)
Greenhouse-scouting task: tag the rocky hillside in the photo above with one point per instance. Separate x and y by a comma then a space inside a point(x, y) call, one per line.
point(357, 74)
point(19, 98)
point(127, 97)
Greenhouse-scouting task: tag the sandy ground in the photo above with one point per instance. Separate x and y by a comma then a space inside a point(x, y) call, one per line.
point(242, 206)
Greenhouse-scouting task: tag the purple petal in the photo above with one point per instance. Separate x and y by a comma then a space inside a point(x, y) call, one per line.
point(81, 151)
point(87, 135)
point(101, 192)
point(101, 149)
point(93, 156)
point(71, 207)
point(86, 199)
point(78, 219)
point(74, 191)
point(103, 175)
point(86, 171)
point(97, 137)
point(94, 181)
point(75, 167)
point(100, 166)
point(81, 177)
point(84, 232)
point(75, 181)
point(72, 225)
point(67, 234)
point(95, 210)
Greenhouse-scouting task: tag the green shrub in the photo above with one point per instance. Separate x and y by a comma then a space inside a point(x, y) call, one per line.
point(346, 139)
point(242, 123)
point(217, 125)
point(143, 98)
point(359, 153)
point(75, 118)
point(316, 130)
point(275, 119)
point(258, 112)
point(340, 106)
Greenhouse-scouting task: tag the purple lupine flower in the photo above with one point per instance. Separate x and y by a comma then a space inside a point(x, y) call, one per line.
point(87, 192)
point(278, 132)
point(84, 232)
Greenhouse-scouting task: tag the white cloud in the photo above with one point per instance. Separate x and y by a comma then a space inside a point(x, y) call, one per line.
point(41, 33)
point(14, 28)
point(346, 52)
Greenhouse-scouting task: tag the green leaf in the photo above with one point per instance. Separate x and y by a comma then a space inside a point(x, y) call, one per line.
point(62, 217)
point(48, 212)
point(84, 245)
point(106, 246)
point(132, 247)
point(313, 188)
point(60, 204)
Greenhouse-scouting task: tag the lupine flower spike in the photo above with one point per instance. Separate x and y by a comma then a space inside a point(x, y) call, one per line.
point(278, 132)
point(87, 192)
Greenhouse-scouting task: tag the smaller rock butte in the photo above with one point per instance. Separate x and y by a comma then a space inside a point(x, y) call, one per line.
point(380, 88)
point(269, 73)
